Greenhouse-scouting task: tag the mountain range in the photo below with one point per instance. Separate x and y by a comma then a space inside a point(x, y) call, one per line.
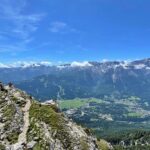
point(83, 80)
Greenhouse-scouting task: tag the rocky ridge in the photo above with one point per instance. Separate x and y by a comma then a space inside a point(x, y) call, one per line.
point(28, 124)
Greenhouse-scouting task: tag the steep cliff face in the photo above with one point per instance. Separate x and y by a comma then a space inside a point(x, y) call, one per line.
point(28, 124)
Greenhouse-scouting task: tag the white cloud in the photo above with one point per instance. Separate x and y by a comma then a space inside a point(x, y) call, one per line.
point(12, 48)
point(57, 26)
point(20, 25)
point(61, 27)
point(81, 64)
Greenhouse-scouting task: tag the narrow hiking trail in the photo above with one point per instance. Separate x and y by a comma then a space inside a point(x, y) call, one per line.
point(22, 137)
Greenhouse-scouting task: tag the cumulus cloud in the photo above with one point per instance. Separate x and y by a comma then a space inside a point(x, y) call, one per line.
point(81, 64)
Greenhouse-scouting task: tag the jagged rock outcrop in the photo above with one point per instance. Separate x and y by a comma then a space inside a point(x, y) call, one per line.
point(28, 124)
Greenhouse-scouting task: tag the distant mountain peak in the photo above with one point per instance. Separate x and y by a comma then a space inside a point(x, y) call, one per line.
point(82, 64)
point(25, 64)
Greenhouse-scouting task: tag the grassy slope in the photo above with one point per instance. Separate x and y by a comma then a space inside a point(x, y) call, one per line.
point(55, 120)
point(77, 103)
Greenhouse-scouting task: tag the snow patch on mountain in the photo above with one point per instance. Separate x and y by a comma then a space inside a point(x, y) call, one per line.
point(3, 65)
point(125, 64)
point(61, 67)
point(25, 64)
point(139, 66)
point(80, 64)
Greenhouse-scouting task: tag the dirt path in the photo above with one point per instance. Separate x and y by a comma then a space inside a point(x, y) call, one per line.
point(22, 137)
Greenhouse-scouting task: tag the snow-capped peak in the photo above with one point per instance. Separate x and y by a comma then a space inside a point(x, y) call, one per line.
point(80, 64)
point(139, 66)
point(25, 64)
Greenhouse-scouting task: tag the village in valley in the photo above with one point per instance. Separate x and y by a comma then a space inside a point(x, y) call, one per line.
point(109, 112)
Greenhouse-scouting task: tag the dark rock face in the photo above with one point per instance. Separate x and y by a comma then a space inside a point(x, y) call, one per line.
point(1, 86)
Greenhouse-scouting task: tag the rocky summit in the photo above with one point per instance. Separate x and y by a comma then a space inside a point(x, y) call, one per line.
point(28, 124)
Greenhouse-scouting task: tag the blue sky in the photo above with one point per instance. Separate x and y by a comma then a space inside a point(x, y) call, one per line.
point(74, 30)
